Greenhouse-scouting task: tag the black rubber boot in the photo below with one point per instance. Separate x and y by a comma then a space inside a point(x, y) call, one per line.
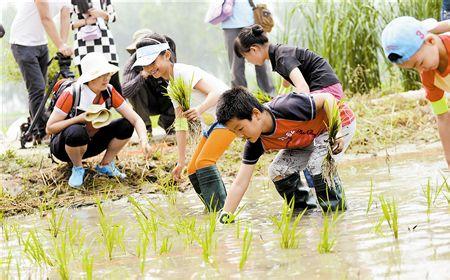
point(329, 198)
point(194, 181)
point(212, 187)
point(292, 187)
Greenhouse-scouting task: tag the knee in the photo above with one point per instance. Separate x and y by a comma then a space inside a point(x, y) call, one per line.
point(76, 135)
point(203, 162)
point(275, 174)
point(124, 129)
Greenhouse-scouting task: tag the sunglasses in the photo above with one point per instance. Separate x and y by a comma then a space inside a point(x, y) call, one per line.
point(395, 58)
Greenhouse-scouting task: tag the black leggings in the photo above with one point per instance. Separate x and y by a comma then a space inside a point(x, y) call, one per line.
point(76, 135)
point(115, 81)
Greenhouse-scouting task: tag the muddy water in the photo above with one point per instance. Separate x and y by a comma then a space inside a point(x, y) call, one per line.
point(421, 252)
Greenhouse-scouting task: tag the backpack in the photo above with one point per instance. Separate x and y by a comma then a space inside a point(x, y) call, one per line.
point(219, 11)
point(64, 84)
point(262, 16)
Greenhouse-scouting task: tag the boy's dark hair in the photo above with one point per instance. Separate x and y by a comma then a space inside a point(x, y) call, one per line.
point(236, 103)
point(154, 39)
point(249, 36)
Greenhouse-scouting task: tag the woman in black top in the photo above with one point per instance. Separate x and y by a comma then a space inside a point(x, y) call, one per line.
point(306, 71)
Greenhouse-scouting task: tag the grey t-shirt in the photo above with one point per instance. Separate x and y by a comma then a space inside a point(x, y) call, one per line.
point(316, 70)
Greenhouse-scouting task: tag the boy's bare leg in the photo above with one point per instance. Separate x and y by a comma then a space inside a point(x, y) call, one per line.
point(443, 122)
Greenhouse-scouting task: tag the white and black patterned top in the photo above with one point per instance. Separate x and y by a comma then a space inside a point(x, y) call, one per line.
point(105, 44)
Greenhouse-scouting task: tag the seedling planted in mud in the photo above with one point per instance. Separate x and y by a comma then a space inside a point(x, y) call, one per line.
point(62, 256)
point(166, 245)
point(246, 245)
point(55, 222)
point(142, 250)
point(289, 236)
point(35, 250)
point(327, 240)
point(87, 263)
point(432, 193)
point(186, 227)
point(111, 234)
point(390, 213)
point(206, 238)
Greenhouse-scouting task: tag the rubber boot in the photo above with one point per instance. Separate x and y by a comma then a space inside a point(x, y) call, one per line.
point(329, 198)
point(194, 181)
point(212, 187)
point(292, 187)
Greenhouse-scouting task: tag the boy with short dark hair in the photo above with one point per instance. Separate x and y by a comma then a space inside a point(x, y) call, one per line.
point(295, 124)
point(408, 43)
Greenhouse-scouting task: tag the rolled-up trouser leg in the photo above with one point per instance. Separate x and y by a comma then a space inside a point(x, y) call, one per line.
point(212, 187)
point(292, 188)
point(329, 198)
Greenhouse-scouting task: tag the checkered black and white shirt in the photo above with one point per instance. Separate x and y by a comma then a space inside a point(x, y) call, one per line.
point(105, 44)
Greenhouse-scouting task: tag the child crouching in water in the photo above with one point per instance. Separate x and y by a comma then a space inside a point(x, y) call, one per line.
point(153, 54)
point(295, 124)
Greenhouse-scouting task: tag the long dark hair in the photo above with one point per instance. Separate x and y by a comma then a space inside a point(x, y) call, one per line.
point(249, 36)
point(154, 39)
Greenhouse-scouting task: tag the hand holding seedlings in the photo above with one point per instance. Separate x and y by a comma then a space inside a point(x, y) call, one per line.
point(338, 144)
point(192, 114)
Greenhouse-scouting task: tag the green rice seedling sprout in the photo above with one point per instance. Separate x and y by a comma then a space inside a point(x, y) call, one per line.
point(87, 263)
point(62, 256)
point(180, 91)
point(431, 194)
point(75, 237)
point(289, 236)
point(206, 238)
point(166, 245)
point(142, 249)
point(6, 273)
point(246, 246)
point(262, 96)
point(55, 222)
point(238, 229)
point(334, 125)
point(327, 241)
point(35, 250)
point(370, 202)
point(111, 234)
point(186, 227)
point(378, 226)
point(390, 213)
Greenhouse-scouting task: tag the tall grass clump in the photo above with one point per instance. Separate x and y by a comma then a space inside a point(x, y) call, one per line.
point(327, 240)
point(246, 245)
point(329, 169)
point(289, 238)
point(390, 213)
point(354, 53)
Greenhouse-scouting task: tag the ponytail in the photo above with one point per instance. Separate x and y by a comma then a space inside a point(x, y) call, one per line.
point(249, 36)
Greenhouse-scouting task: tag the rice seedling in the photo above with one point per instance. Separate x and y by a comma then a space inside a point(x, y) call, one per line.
point(186, 227)
point(35, 250)
point(54, 221)
point(370, 202)
point(141, 249)
point(246, 246)
point(390, 213)
point(431, 194)
point(262, 96)
point(238, 229)
point(206, 238)
point(75, 237)
point(62, 256)
point(327, 241)
point(87, 263)
point(166, 245)
point(111, 234)
point(179, 91)
point(289, 238)
point(329, 169)
point(6, 272)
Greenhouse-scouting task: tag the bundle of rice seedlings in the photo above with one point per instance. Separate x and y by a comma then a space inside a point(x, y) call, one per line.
point(180, 91)
point(329, 169)
point(262, 96)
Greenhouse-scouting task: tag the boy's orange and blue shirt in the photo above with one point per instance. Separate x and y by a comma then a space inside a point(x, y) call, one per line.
point(436, 83)
point(296, 123)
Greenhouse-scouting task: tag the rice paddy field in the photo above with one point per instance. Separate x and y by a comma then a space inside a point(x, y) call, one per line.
point(397, 227)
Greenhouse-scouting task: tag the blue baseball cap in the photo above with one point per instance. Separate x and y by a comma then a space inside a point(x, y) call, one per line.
point(404, 36)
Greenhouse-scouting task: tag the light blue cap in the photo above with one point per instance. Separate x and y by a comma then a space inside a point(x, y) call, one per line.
point(404, 36)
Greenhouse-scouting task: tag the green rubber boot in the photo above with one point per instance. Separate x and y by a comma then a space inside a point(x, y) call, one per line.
point(329, 198)
point(292, 187)
point(194, 181)
point(212, 187)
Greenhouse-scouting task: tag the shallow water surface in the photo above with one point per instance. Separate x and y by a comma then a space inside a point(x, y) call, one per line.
point(361, 252)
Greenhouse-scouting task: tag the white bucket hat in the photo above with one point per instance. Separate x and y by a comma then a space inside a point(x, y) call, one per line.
point(146, 55)
point(94, 65)
point(138, 35)
point(98, 115)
